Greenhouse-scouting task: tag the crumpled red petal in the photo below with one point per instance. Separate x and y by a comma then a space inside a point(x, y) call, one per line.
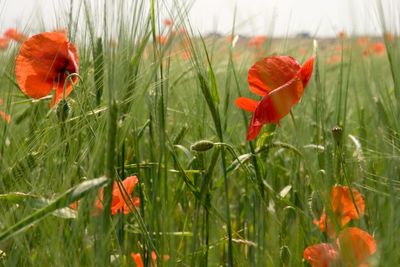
point(43, 64)
point(321, 255)
point(137, 258)
point(5, 116)
point(343, 206)
point(271, 73)
point(306, 71)
point(356, 246)
point(277, 104)
point(246, 103)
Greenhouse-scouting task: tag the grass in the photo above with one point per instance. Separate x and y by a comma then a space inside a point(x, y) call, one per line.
point(139, 108)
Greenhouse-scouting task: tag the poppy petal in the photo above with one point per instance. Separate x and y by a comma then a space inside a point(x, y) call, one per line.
point(121, 197)
point(306, 71)
point(4, 42)
point(137, 258)
point(278, 103)
point(246, 103)
point(343, 206)
point(321, 255)
point(271, 73)
point(356, 246)
point(39, 71)
point(154, 256)
point(74, 67)
point(5, 116)
point(253, 130)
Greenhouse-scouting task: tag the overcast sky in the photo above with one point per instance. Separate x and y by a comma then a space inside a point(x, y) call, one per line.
point(277, 17)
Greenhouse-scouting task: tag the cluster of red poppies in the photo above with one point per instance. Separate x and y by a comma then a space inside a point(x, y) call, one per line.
point(349, 246)
point(279, 80)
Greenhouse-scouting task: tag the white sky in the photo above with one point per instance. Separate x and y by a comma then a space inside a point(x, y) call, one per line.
point(277, 17)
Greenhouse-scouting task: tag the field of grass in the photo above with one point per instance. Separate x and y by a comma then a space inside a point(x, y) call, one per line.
point(163, 110)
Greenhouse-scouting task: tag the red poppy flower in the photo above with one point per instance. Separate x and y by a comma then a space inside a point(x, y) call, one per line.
point(334, 59)
point(379, 48)
point(389, 37)
point(13, 34)
point(4, 115)
point(4, 43)
point(321, 255)
point(168, 22)
point(186, 55)
point(362, 41)
point(343, 208)
point(137, 258)
point(121, 198)
point(353, 247)
point(162, 39)
point(342, 35)
point(356, 246)
point(43, 65)
point(280, 80)
point(257, 41)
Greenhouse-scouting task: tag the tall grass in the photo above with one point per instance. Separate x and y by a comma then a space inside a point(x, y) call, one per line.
point(165, 113)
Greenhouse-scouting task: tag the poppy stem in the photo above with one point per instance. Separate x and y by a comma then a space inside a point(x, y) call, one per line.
point(293, 120)
point(65, 83)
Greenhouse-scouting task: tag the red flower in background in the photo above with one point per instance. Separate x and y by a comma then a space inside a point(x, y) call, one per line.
point(43, 64)
point(168, 22)
point(137, 258)
point(356, 246)
point(13, 34)
point(4, 42)
point(342, 35)
point(4, 115)
point(389, 37)
point(257, 41)
point(162, 39)
point(379, 48)
point(353, 247)
point(321, 255)
point(121, 197)
point(281, 81)
point(362, 41)
point(343, 208)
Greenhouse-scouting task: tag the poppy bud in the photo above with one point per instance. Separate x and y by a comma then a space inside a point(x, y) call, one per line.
point(202, 146)
point(63, 110)
point(337, 132)
point(285, 255)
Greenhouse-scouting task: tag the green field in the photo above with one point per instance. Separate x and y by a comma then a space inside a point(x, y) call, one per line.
point(140, 107)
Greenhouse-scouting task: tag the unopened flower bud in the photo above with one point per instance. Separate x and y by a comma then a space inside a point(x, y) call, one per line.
point(285, 255)
point(337, 132)
point(202, 146)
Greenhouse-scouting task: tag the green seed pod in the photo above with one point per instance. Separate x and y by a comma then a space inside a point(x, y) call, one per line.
point(202, 146)
point(63, 110)
point(337, 132)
